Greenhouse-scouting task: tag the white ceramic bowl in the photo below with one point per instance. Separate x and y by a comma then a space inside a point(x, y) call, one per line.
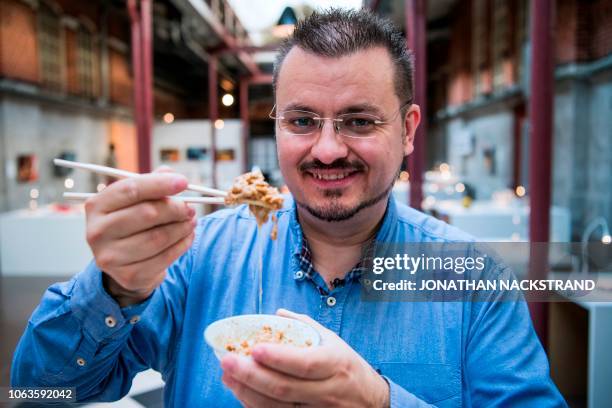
point(237, 328)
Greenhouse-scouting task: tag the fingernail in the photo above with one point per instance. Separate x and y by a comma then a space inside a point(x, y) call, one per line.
point(258, 352)
point(190, 212)
point(179, 183)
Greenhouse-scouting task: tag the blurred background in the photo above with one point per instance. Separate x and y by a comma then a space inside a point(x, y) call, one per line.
point(515, 145)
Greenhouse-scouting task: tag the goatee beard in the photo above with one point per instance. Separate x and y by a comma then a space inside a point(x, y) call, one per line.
point(336, 213)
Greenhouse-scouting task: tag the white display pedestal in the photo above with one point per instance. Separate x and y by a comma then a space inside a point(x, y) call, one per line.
point(43, 242)
point(492, 222)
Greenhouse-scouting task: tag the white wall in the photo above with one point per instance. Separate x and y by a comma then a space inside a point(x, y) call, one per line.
point(491, 129)
point(28, 127)
point(182, 134)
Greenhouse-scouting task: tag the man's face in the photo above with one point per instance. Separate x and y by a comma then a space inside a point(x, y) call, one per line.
point(331, 175)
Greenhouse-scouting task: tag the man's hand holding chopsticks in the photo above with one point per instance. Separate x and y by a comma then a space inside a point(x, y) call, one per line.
point(135, 232)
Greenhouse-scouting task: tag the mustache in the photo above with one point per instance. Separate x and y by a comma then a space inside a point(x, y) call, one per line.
point(340, 164)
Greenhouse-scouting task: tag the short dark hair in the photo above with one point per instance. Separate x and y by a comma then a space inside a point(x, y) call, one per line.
point(336, 32)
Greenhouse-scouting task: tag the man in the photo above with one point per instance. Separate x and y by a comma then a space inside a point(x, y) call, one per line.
point(345, 121)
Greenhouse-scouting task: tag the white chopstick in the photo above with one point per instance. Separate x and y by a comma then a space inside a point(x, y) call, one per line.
point(186, 199)
point(109, 171)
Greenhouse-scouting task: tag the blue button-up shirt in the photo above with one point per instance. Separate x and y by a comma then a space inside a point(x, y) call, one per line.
point(447, 354)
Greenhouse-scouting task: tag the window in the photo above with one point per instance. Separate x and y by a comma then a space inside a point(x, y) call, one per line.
point(85, 62)
point(522, 31)
point(500, 41)
point(479, 51)
point(50, 48)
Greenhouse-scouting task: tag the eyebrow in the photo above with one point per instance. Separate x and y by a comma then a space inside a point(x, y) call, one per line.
point(299, 106)
point(358, 108)
point(362, 107)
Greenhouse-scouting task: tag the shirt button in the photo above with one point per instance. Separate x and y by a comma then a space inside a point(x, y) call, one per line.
point(81, 361)
point(135, 319)
point(110, 321)
point(331, 301)
point(299, 275)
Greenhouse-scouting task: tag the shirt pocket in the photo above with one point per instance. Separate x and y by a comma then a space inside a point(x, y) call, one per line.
point(430, 382)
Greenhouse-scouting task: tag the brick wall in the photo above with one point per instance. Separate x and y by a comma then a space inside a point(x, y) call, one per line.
point(460, 85)
point(19, 52)
point(601, 29)
point(566, 28)
point(18, 42)
point(120, 78)
point(583, 30)
point(72, 82)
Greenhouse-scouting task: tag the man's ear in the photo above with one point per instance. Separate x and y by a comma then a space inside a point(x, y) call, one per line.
point(412, 118)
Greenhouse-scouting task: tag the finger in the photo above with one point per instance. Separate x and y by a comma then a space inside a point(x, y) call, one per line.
point(166, 169)
point(268, 382)
point(308, 363)
point(130, 191)
point(146, 244)
point(139, 274)
point(261, 382)
point(251, 398)
point(141, 217)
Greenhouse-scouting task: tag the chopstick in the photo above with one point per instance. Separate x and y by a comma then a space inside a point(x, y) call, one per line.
point(109, 171)
point(185, 199)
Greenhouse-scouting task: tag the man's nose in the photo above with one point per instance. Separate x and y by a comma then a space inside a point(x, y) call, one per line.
point(329, 145)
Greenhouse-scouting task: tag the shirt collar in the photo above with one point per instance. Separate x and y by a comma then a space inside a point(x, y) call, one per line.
point(385, 231)
point(301, 250)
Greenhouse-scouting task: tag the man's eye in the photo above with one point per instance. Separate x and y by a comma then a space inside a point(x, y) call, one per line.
point(359, 122)
point(302, 122)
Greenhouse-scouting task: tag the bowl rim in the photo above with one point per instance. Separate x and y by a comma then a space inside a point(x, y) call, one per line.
point(207, 331)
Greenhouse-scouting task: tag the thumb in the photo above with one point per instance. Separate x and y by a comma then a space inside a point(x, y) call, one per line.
point(164, 169)
point(325, 333)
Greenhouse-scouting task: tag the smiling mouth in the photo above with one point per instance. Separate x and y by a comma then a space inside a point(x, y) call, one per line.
point(332, 178)
point(329, 176)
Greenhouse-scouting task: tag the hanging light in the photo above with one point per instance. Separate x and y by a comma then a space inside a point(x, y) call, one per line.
point(227, 100)
point(219, 124)
point(168, 118)
point(286, 23)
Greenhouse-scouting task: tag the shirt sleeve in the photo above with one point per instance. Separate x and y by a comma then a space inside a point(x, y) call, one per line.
point(505, 364)
point(400, 398)
point(79, 337)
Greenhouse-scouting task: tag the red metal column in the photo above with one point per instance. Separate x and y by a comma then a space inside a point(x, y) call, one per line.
point(213, 106)
point(244, 118)
point(137, 73)
point(142, 67)
point(144, 142)
point(416, 24)
point(540, 147)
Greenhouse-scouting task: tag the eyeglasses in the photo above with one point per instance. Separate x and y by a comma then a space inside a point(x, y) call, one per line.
point(355, 125)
